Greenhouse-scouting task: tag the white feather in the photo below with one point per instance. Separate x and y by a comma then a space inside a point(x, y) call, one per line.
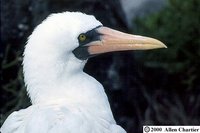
point(64, 98)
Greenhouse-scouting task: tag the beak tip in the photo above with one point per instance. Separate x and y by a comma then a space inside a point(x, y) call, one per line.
point(152, 43)
point(160, 44)
point(163, 45)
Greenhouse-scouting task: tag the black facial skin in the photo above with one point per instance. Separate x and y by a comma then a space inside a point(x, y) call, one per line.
point(81, 52)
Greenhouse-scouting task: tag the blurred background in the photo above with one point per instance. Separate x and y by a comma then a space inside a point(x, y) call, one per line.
point(155, 87)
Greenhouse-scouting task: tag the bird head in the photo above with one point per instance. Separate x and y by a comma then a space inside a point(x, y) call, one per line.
point(63, 42)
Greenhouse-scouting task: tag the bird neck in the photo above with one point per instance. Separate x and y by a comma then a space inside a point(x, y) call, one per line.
point(50, 81)
point(45, 76)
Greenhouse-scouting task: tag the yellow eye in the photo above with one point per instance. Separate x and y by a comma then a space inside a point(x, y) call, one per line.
point(82, 37)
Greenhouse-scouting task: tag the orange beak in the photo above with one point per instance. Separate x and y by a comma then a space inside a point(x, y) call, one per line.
point(113, 40)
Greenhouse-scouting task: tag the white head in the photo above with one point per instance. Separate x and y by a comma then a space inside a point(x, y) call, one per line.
point(48, 54)
point(60, 46)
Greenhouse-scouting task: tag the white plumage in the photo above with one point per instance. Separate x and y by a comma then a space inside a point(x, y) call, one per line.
point(64, 98)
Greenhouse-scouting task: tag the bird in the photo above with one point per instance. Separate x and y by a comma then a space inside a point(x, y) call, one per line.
point(64, 98)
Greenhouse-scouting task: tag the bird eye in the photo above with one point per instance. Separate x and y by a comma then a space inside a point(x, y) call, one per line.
point(82, 37)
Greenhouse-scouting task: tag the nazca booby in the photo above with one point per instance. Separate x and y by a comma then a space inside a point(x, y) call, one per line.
point(64, 98)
